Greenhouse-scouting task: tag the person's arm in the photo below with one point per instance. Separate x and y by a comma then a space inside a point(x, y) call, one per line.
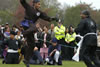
point(59, 48)
point(49, 50)
point(72, 38)
point(44, 16)
point(52, 52)
point(24, 4)
point(62, 30)
point(56, 31)
point(5, 42)
point(80, 27)
point(19, 44)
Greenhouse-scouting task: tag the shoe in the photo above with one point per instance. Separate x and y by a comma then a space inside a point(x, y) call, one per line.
point(41, 63)
point(44, 62)
point(59, 64)
point(3, 61)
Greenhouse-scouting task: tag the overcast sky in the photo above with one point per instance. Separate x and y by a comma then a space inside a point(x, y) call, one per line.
point(96, 3)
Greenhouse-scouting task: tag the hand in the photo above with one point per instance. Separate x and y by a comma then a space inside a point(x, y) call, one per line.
point(54, 50)
point(54, 18)
point(67, 42)
point(6, 49)
point(45, 45)
point(35, 48)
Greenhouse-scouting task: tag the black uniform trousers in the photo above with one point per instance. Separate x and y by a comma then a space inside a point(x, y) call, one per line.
point(69, 51)
point(88, 51)
point(12, 58)
point(29, 35)
point(62, 42)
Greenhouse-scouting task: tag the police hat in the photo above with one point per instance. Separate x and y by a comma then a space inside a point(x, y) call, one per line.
point(54, 40)
point(12, 33)
point(59, 21)
point(85, 12)
point(36, 1)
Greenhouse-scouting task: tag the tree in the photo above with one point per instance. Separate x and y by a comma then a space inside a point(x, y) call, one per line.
point(72, 14)
point(6, 17)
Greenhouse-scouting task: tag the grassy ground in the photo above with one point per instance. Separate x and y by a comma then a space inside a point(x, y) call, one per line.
point(65, 64)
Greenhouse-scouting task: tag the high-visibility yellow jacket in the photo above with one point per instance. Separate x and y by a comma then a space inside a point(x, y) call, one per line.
point(70, 37)
point(59, 32)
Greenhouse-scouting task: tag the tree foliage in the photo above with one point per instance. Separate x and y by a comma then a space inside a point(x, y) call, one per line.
point(11, 11)
point(72, 14)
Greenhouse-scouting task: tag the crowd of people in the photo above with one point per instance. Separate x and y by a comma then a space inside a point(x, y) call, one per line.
point(44, 41)
point(48, 45)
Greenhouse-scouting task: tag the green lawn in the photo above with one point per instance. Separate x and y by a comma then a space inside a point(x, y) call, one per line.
point(65, 64)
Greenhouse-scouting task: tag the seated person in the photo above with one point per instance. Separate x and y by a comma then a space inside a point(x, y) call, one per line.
point(35, 59)
point(54, 53)
point(12, 50)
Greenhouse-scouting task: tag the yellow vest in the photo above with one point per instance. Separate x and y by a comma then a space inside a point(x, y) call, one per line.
point(59, 32)
point(70, 37)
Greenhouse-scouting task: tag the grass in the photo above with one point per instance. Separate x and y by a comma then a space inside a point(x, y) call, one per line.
point(65, 64)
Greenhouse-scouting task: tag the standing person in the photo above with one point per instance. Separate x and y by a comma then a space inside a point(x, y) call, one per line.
point(98, 39)
point(60, 32)
point(46, 37)
point(32, 14)
point(87, 28)
point(70, 41)
point(60, 35)
point(51, 31)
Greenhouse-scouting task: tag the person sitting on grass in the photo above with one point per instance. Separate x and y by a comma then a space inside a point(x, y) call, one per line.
point(54, 53)
point(12, 50)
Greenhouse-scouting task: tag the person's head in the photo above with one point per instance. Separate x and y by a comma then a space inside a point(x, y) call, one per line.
point(54, 41)
point(67, 30)
point(52, 26)
point(14, 27)
point(0, 26)
point(36, 4)
point(71, 29)
point(99, 33)
point(12, 35)
point(19, 32)
point(60, 22)
point(21, 28)
point(45, 29)
point(85, 14)
point(38, 25)
point(7, 29)
point(6, 25)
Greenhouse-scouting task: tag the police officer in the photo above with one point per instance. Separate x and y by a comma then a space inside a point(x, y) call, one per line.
point(87, 28)
point(59, 31)
point(32, 14)
point(70, 41)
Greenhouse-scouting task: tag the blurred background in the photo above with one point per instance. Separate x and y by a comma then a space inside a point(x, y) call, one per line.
point(69, 10)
